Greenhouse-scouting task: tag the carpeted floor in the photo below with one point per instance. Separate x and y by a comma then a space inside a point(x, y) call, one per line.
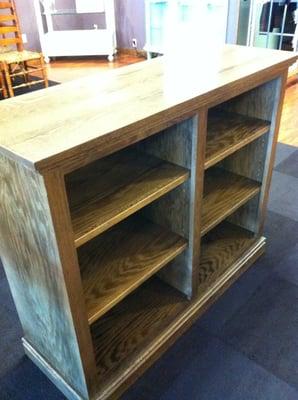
point(244, 348)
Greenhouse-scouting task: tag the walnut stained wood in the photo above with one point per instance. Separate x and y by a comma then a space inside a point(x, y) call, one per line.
point(166, 106)
point(224, 193)
point(255, 161)
point(182, 144)
point(220, 249)
point(228, 132)
point(115, 187)
point(146, 98)
point(124, 336)
point(117, 262)
point(127, 329)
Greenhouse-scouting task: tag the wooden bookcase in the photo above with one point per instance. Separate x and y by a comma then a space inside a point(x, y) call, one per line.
point(111, 254)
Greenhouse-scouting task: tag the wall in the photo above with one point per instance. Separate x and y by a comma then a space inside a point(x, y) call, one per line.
point(130, 21)
point(28, 24)
point(233, 21)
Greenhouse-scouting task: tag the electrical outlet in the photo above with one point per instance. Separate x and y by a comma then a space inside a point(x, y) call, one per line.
point(24, 38)
point(134, 43)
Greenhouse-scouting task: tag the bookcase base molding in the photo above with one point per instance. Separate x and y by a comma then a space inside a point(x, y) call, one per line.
point(191, 312)
point(144, 203)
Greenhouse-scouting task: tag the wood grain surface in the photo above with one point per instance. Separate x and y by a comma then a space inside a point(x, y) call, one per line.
point(220, 249)
point(35, 273)
point(139, 329)
point(248, 162)
point(127, 329)
point(145, 98)
point(104, 193)
point(255, 161)
point(228, 132)
point(182, 144)
point(121, 259)
point(224, 193)
point(134, 316)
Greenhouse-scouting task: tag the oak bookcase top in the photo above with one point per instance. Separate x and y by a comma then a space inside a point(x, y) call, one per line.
point(69, 125)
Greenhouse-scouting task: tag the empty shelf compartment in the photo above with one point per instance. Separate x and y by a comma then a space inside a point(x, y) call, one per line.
point(118, 261)
point(224, 193)
point(220, 249)
point(228, 132)
point(128, 333)
point(109, 190)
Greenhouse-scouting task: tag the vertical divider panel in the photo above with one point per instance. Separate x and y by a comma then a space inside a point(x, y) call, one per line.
point(182, 144)
point(255, 160)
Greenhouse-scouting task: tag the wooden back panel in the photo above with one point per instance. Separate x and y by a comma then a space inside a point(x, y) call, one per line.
point(10, 33)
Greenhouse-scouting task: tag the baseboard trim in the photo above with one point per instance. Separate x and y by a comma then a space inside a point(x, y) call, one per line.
point(52, 374)
point(117, 386)
point(132, 52)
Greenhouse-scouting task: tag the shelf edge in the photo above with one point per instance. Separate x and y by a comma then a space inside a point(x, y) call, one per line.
point(127, 212)
point(206, 229)
point(211, 161)
point(153, 351)
point(95, 316)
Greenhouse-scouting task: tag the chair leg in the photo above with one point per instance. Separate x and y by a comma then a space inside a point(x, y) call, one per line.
point(2, 84)
point(26, 73)
point(44, 71)
point(5, 93)
point(8, 80)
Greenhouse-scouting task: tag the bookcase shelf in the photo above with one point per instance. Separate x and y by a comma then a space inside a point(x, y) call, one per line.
point(122, 337)
point(220, 249)
point(228, 132)
point(125, 335)
point(224, 193)
point(119, 260)
point(144, 203)
point(109, 190)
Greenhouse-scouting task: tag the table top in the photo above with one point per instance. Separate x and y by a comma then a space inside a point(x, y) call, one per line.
point(67, 125)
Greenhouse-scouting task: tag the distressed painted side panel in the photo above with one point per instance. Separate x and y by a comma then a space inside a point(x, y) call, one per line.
point(31, 260)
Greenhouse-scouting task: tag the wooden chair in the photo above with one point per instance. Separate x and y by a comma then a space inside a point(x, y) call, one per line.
point(3, 90)
point(14, 59)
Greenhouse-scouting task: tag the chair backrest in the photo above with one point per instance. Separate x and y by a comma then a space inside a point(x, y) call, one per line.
point(10, 33)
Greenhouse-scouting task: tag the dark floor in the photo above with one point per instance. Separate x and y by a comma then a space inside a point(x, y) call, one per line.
point(32, 88)
point(244, 348)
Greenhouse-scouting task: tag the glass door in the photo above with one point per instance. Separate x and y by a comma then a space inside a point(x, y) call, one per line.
point(185, 25)
point(273, 24)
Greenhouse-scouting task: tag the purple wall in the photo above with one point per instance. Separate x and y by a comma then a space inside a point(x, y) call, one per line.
point(130, 21)
point(28, 24)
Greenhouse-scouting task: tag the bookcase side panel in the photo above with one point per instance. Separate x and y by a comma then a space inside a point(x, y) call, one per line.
point(33, 267)
point(278, 94)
